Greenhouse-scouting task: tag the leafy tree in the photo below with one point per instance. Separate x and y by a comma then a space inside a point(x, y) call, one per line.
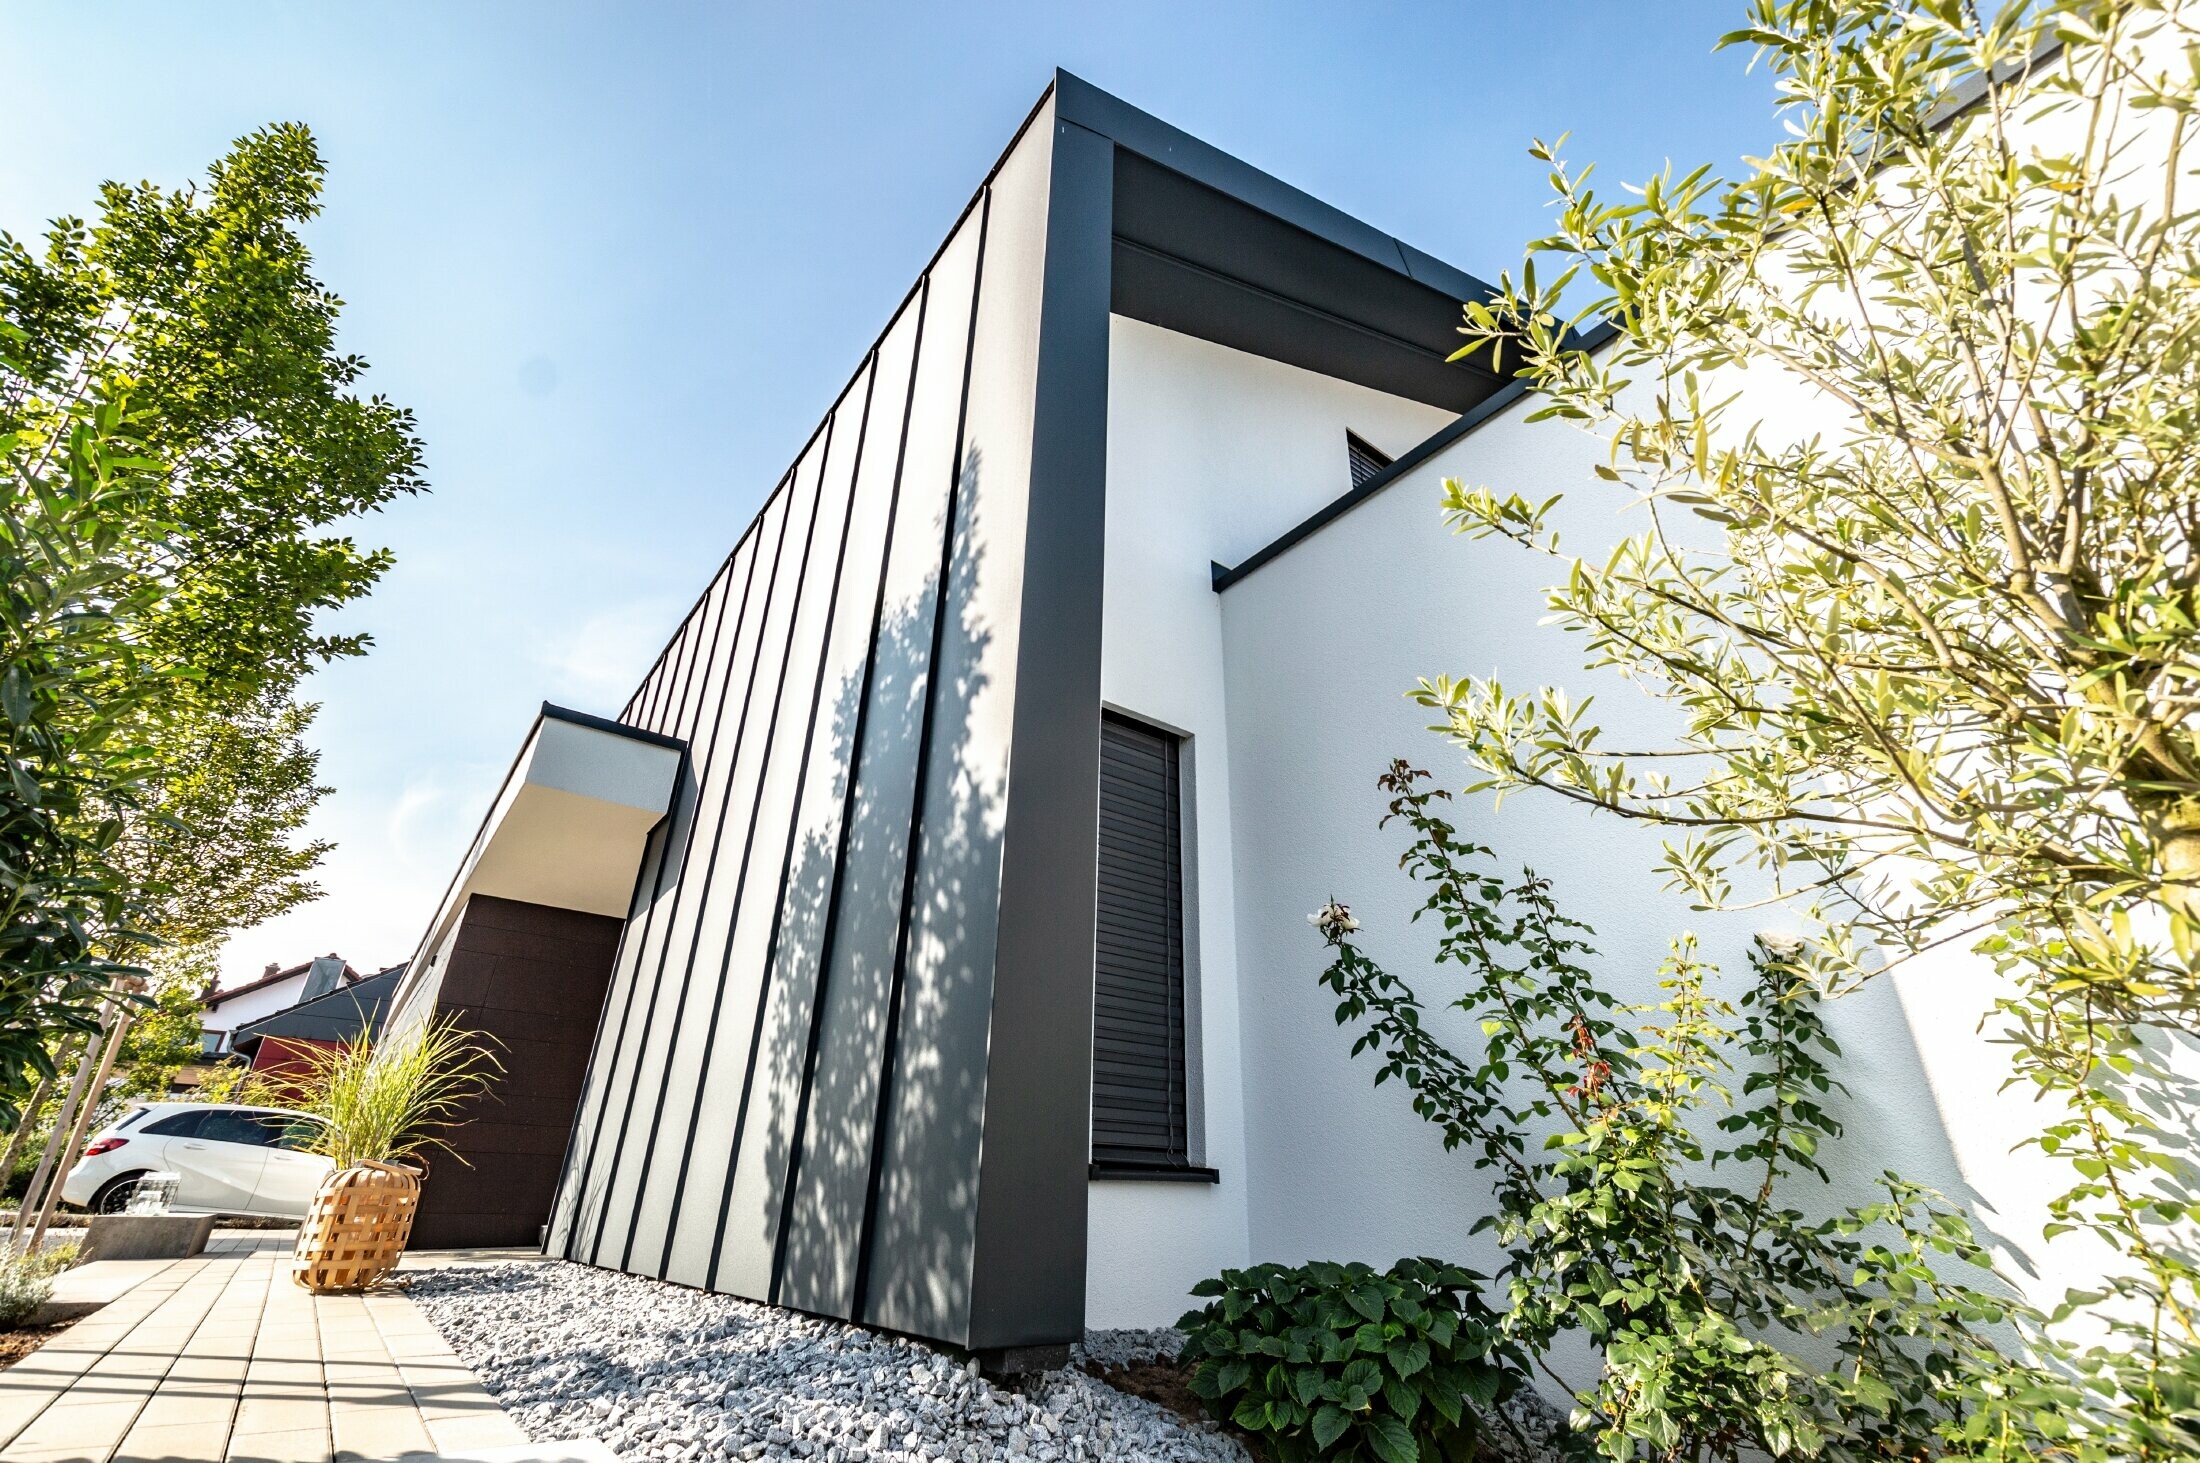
point(1935, 649)
point(166, 1036)
point(182, 433)
point(72, 697)
point(200, 308)
point(218, 845)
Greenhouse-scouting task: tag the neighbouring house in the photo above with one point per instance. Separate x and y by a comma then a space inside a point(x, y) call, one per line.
point(925, 943)
point(278, 988)
point(276, 1044)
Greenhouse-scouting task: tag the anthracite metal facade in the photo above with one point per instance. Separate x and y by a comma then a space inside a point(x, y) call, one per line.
point(844, 1061)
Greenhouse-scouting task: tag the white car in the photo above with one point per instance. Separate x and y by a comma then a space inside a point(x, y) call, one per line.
point(232, 1160)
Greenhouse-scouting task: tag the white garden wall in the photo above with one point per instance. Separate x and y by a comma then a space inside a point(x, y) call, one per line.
point(1320, 646)
point(1290, 687)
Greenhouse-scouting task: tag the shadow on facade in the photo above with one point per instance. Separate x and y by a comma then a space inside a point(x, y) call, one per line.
point(874, 1184)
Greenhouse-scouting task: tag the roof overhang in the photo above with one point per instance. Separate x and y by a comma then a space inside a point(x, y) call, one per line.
point(1208, 245)
point(568, 826)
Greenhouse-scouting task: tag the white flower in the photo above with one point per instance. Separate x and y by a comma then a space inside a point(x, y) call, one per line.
point(1334, 920)
point(1780, 944)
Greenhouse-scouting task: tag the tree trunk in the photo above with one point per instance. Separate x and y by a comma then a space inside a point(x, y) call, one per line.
point(61, 1121)
point(2175, 824)
point(90, 1104)
point(29, 1115)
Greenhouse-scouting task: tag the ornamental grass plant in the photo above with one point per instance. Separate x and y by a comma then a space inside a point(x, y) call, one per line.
point(390, 1102)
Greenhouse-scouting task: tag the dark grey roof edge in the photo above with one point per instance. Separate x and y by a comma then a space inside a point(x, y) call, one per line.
point(547, 713)
point(552, 712)
point(392, 973)
point(1095, 109)
point(1464, 425)
point(1967, 94)
point(1079, 101)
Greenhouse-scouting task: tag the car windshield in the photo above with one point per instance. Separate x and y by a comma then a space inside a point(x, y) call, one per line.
point(133, 1117)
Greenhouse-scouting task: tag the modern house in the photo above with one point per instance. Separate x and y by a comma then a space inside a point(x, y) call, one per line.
point(277, 989)
point(925, 942)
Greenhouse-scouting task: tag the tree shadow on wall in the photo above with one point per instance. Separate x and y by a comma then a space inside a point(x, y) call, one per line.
point(888, 1145)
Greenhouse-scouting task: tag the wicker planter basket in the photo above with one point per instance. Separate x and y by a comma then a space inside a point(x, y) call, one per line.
point(356, 1227)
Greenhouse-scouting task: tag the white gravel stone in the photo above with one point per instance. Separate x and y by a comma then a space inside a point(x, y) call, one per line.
point(659, 1371)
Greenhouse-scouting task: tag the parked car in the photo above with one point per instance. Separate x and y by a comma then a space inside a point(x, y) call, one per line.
point(230, 1159)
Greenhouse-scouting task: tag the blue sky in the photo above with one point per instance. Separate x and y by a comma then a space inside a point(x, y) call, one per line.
point(620, 257)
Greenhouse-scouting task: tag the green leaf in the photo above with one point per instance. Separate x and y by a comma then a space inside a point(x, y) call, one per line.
point(1391, 1440)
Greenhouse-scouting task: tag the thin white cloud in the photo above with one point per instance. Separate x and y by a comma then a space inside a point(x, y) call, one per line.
point(601, 662)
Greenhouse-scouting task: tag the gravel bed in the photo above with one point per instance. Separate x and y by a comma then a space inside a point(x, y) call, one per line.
point(660, 1371)
point(1122, 1348)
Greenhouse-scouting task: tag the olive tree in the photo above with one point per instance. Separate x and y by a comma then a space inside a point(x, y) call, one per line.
point(1933, 639)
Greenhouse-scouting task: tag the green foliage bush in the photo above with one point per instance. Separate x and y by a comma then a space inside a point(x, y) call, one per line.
point(27, 1280)
point(1643, 1159)
point(1927, 646)
point(1344, 1362)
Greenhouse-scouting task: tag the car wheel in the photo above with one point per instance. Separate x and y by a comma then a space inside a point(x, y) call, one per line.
point(114, 1195)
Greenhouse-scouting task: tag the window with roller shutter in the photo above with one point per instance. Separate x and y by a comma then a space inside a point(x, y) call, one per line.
point(1139, 1105)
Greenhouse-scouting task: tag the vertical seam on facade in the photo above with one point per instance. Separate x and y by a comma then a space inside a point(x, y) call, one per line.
point(695, 940)
point(653, 683)
point(611, 1075)
point(748, 844)
point(678, 661)
point(643, 873)
point(655, 873)
point(725, 567)
point(641, 941)
point(649, 1016)
point(916, 803)
point(691, 645)
point(786, 859)
point(626, 1013)
point(702, 898)
point(886, 555)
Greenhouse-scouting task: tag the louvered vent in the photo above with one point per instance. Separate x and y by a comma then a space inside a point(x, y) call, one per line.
point(1138, 1100)
point(1366, 461)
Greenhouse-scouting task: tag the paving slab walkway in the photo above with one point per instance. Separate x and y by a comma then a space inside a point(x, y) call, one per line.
point(223, 1359)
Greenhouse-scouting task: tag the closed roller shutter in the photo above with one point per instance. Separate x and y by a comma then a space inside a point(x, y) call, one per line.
point(1138, 1101)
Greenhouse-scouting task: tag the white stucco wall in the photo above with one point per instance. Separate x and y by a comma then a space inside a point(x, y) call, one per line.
point(1211, 453)
point(1320, 646)
point(251, 1006)
point(1291, 689)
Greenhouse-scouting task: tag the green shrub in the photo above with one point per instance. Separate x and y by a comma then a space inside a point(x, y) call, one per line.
point(1342, 1362)
point(26, 1281)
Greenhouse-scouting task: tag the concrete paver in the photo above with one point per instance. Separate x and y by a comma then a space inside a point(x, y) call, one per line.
point(222, 1357)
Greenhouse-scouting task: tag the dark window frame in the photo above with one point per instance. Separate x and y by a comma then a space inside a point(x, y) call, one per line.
point(1141, 1094)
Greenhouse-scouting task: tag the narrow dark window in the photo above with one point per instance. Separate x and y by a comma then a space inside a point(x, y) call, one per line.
point(1138, 1099)
point(1366, 461)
